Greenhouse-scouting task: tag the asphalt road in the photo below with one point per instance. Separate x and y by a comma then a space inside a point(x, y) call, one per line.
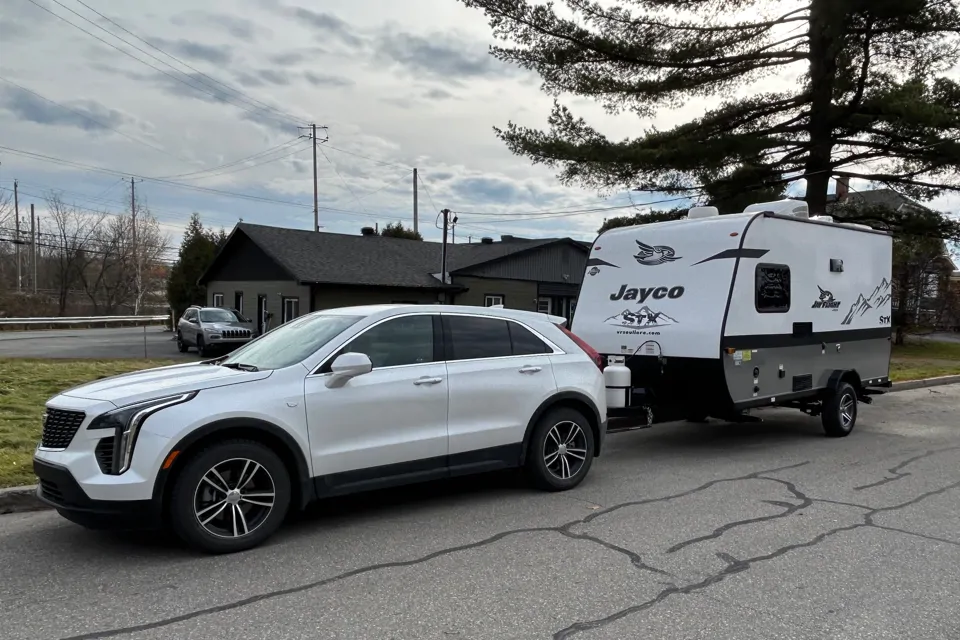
point(130, 342)
point(750, 532)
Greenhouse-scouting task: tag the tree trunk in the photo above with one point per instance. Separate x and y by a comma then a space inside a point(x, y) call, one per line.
point(825, 40)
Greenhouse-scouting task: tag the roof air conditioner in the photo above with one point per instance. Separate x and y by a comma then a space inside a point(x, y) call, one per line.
point(702, 212)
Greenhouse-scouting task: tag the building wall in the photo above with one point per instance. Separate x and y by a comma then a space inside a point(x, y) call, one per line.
point(274, 290)
point(561, 262)
point(517, 294)
point(332, 296)
point(245, 261)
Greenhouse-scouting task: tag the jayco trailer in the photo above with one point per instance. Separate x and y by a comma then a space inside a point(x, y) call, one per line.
point(712, 315)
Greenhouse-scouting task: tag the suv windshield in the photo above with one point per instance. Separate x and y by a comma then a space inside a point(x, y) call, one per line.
point(218, 315)
point(292, 342)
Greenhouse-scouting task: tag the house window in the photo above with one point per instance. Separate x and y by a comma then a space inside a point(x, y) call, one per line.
point(544, 306)
point(291, 308)
point(931, 285)
point(772, 288)
point(218, 299)
point(490, 300)
point(238, 301)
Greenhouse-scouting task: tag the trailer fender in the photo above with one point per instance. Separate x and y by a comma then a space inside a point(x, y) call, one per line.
point(850, 376)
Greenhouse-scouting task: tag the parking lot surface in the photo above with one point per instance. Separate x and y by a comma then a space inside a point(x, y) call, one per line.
point(126, 342)
point(720, 532)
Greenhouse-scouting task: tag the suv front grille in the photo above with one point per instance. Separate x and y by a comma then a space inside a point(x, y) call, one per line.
point(59, 427)
point(51, 491)
point(236, 333)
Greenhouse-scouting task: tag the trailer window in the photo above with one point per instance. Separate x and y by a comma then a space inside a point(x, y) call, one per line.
point(773, 288)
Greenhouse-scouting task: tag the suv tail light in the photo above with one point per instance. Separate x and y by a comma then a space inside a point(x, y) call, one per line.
point(590, 351)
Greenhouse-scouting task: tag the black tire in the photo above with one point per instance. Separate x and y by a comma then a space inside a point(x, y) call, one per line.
point(181, 345)
point(839, 415)
point(544, 445)
point(202, 347)
point(192, 495)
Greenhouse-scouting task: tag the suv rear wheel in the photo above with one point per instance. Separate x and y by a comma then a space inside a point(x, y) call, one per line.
point(229, 497)
point(560, 450)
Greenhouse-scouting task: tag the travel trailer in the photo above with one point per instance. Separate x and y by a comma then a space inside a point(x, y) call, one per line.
point(713, 315)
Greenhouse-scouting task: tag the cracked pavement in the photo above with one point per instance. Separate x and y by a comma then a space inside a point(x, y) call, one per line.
point(719, 532)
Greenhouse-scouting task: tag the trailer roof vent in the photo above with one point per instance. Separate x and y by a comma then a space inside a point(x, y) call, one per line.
point(486, 240)
point(786, 207)
point(822, 218)
point(702, 212)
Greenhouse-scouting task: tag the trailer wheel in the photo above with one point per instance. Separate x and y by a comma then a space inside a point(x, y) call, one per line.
point(840, 411)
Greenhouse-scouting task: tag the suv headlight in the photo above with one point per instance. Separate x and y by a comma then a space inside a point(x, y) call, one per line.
point(126, 421)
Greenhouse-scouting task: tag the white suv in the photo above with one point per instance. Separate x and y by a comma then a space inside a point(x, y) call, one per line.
point(333, 402)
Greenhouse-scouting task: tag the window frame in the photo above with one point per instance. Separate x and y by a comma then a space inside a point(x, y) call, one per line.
point(549, 301)
point(238, 298)
point(283, 308)
point(489, 296)
point(756, 289)
point(215, 295)
point(448, 346)
point(323, 368)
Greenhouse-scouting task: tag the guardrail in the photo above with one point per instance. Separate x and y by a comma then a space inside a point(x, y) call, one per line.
point(22, 324)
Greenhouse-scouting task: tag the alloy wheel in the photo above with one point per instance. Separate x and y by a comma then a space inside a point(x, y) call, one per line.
point(234, 498)
point(565, 450)
point(847, 410)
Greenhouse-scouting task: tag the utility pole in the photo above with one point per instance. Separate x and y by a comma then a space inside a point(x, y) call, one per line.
point(33, 246)
point(16, 216)
point(443, 246)
point(316, 209)
point(416, 217)
point(138, 279)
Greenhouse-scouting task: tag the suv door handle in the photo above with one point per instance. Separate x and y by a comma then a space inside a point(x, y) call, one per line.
point(427, 380)
point(530, 369)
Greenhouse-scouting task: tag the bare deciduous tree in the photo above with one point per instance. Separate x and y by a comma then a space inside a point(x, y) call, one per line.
point(75, 234)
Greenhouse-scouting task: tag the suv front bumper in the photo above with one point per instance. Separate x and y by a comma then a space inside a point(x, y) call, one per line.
point(59, 489)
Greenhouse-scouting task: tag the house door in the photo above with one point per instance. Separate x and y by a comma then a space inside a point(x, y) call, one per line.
point(261, 314)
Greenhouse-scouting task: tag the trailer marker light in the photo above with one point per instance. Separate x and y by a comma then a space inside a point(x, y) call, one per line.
point(734, 234)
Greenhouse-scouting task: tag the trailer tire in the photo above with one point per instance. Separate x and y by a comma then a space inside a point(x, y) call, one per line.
point(564, 433)
point(840, 410)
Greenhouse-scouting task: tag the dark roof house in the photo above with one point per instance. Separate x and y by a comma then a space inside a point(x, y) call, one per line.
point(292, 271)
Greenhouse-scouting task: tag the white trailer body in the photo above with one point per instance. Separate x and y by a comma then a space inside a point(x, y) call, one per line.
point(718, 314)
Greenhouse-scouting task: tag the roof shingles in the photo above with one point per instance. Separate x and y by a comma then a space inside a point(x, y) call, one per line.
point(371, 260)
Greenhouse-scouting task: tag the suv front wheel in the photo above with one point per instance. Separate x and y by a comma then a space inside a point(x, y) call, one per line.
point(230, 496)
point(560, 450)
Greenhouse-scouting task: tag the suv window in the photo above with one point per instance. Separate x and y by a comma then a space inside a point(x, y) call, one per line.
point(190, 315)
point(397, 342)
point(524, 342)
point(473, 337)
point(218, 315)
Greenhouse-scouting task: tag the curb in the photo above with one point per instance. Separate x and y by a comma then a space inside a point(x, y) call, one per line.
point(20, 500)
point(24, 499)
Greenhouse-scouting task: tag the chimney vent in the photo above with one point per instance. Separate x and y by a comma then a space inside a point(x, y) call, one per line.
point(367, 231)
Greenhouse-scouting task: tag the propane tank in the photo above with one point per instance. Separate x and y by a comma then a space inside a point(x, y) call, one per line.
point(616, 378)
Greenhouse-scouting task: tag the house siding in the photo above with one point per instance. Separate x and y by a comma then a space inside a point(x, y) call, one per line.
point(246, 262)
point(517, 294)
point(275, 290)
point(332, 296)
point(560, 263)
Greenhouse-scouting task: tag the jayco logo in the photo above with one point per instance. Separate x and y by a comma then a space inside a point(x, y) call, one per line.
point(642, 294)
point(826, 301)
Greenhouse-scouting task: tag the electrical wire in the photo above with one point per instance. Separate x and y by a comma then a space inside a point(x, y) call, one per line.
point(201, 88)
point(194, 69)
point(93, 120)
point(244, 167)
point(337, 171)
point(234, 162)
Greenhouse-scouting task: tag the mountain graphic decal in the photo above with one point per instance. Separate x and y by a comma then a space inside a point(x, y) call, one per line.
point(642, 317)
point(877, 298)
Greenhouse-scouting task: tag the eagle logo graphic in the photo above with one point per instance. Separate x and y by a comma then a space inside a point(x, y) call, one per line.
point(649, 256)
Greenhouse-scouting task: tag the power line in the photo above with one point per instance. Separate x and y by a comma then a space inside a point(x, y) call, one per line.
point(201, 88)
point(243, 167)
point(92, 119)
point(359, 155)
point(194, 69)
point(337, 171)
point(234, 162)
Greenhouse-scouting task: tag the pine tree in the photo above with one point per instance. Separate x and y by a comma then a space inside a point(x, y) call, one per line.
point(397, 230)
point(872, 101)
point(197, 250)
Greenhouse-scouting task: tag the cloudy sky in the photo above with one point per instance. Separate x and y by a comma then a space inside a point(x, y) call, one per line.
point(397, 84)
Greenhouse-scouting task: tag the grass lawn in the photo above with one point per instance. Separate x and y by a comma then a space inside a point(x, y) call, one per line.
point(925, 359)
point(25, 385)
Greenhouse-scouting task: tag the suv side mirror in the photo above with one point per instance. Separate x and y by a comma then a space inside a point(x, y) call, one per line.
point(347, 366)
